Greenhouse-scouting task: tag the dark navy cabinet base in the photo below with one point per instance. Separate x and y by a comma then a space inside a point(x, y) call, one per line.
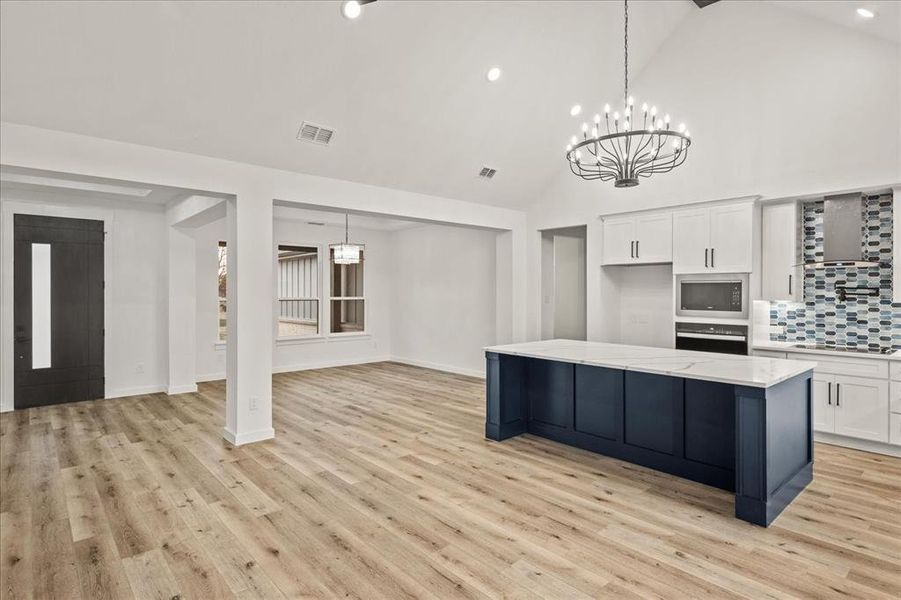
point(753, 441)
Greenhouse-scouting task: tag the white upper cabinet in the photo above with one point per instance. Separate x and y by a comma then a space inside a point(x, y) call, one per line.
point(619, 241)
point(782, 277)
point(691, 241)
point(638, 239)
point(716, 239)
point(654, 239)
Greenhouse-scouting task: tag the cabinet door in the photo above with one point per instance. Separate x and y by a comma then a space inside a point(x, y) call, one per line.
point(823, 388)
point(654, 238)
point(780, 253)
point(861, 408)
point(731, 230)
point(691, 237)
point(619, 238)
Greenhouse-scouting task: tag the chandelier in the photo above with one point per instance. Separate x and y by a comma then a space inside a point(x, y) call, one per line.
point(345, 253)
point(634, 145)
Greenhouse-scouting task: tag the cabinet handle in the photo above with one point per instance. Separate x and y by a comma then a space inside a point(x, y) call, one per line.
point(838, 394)
point(636, 249)
point(789, 284)
point(829, 395)
point(632, 249)
point(711, 258)
point(706, 250)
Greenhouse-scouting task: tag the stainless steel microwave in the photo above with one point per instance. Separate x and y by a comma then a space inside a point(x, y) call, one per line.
point(715, 295)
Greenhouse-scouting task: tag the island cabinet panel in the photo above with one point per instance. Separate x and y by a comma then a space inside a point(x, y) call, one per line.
point(550, 392)
point(710, 423)
point(653, 412)
point(507, 413)
point(599, 402)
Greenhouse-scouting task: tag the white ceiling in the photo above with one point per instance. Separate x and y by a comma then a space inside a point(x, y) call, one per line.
point(287, 212)
point(404, 86)
point(886, 24)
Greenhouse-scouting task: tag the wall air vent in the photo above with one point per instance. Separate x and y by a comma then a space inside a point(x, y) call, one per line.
point(317, 134)
point(487, 172)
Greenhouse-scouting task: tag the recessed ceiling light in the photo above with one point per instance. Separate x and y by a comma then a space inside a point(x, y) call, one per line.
point(351, 9)
point(866, 13)
point(575, 110)
point(493, 74)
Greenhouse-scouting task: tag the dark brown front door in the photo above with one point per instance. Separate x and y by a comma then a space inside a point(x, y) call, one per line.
point(58, 312)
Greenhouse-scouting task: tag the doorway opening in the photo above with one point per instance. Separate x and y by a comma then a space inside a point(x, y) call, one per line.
point(563, 291)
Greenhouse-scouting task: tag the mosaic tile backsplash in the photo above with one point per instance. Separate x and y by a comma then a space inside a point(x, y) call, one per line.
point(872, 322)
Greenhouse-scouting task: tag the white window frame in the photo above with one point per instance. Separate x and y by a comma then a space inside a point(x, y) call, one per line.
point(320, 300)
point(346, 334)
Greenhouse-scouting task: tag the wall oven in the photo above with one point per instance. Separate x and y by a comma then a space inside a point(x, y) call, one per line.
point(712, 337)
point(714, 295)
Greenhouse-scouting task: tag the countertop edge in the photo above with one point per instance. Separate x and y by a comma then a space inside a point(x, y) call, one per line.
point(755, 384)
point(789, 347)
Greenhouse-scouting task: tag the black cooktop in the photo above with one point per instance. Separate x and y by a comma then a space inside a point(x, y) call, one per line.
point(852, 349)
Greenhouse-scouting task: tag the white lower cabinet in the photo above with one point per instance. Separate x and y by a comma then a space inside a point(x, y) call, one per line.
point(894, 435)
point(823, 409)
point(852, 406)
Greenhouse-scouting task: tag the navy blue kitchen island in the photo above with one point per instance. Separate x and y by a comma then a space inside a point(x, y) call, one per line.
point(738, 423)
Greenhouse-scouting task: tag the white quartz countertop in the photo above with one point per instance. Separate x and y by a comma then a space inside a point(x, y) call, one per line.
point(752, 371)
point(790, 347)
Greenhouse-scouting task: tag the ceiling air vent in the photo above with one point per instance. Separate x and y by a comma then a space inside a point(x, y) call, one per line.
point(487, 172)
point(318, 134)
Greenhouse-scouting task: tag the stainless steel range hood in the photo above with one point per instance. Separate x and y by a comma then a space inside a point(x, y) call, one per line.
point(842, 233)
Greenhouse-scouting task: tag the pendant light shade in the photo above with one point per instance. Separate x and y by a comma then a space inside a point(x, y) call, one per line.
point(345, 253)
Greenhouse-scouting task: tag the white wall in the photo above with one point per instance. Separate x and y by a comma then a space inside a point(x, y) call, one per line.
point(778, 104)
point(136, 249)
point(297, 354)
point(443, 297)
point(643, 297)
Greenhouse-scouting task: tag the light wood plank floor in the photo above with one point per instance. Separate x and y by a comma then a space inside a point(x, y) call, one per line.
point(379, 484)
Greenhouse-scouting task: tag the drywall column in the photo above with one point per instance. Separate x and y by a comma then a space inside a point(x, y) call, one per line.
point(248, 382)
point(182, 312)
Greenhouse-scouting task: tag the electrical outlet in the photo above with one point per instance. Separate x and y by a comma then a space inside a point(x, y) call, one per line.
point(253, 403)
point(139, 368)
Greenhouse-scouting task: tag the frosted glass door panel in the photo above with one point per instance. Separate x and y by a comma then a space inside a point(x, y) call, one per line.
point(40, 306)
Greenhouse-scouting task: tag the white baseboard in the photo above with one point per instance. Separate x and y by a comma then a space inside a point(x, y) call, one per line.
point(135, 391)
point(247, 437)
point(856, 444)
point(188, 388)
point(439, 367)
point(210, 377)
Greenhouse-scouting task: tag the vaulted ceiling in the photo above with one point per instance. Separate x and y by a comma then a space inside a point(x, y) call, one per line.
point(404, 86)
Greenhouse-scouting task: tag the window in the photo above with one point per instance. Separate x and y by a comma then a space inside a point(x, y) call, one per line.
point(223, 277)
point(347, 302)
point(298, 291)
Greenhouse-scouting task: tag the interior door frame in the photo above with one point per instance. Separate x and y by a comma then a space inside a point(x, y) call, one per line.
point(8, 208)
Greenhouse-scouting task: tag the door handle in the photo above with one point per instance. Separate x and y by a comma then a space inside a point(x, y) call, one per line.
point(706, 250)
point(712, 265)
point(636, 249)
point(829, 395)
point(632, 249)
point(838, 394)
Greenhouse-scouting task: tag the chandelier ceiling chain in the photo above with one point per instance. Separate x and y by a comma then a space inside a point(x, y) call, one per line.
point(626, 153)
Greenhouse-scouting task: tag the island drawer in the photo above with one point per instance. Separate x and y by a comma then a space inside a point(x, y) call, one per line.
point(894, 395)
point(860, 367)
point(895, 368)
point(894, 435)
